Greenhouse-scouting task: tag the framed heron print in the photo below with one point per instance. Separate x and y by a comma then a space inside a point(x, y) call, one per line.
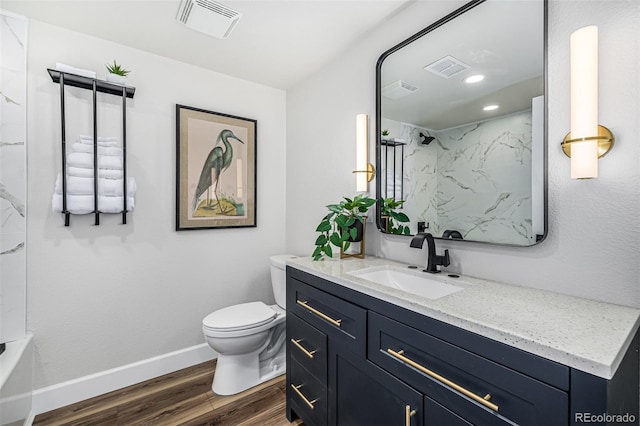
point(215, 170)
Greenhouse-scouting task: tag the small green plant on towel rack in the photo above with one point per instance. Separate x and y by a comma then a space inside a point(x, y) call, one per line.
point(117, 69)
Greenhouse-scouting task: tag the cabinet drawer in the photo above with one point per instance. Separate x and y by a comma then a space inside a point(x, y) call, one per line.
point(308, 346)
point(306, 395)
point(477, 389)
point(343, 322)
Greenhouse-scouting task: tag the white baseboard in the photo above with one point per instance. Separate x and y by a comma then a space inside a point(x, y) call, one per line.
point(30, 419)
point(76, 390)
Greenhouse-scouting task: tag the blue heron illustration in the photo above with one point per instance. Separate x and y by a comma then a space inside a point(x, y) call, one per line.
point(217, 161)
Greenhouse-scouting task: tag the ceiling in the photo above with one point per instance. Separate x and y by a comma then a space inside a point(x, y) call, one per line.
point(502, 40)
point(276, 43)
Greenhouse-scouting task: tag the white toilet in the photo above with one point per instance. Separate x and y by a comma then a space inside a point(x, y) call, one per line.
point(249, 338)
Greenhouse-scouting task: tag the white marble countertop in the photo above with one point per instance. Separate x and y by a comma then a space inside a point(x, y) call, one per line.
point(584, 334)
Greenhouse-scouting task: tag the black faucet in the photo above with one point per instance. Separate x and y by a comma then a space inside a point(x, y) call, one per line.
point(433, 260)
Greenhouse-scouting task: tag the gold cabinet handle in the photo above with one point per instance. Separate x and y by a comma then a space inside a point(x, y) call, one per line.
point(304, 398)
point(304, 351)
point(305, 305)
point(408, 413)
point(482, 400)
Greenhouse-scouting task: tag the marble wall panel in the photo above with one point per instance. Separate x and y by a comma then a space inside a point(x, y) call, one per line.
point(484, 180)
point(13, 84)
point(475, 179)
point(420, 179)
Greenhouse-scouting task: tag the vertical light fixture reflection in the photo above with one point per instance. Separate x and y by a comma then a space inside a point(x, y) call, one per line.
point(584, 103)
point(364, 170)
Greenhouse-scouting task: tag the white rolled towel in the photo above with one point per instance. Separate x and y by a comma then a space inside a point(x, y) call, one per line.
point(102, 140)
point(88, 173)
point(74, 70)
point(83, 204)
point(102, 150)
point(84, 186)
point(84, 159)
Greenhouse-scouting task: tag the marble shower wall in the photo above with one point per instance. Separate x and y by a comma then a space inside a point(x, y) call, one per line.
point(478, 179)
point(484, 180)
point(13, 133)
point(420, 194)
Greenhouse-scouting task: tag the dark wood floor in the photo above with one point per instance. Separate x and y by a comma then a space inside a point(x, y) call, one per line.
point(180, 398)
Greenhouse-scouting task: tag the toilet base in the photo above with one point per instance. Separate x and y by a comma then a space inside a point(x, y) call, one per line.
point(238, 373)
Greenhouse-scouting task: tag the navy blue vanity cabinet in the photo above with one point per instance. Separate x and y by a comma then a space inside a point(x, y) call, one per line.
point(356, 360)
point(319, 325)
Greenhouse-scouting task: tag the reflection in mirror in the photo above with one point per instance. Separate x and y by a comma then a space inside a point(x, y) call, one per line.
point(462, 104)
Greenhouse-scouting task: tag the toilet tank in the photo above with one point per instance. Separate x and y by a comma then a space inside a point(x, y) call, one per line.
point(278, 277)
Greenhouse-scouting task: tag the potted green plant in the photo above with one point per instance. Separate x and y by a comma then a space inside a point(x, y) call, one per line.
point(392, 219)
point(117, 74)
point(344, 224)
point(385, 134)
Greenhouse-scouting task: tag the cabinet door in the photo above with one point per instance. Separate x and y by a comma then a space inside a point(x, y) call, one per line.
point(437, 415)
point(365, 394)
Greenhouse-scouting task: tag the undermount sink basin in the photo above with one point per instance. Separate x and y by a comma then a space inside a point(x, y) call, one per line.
point(413, 281)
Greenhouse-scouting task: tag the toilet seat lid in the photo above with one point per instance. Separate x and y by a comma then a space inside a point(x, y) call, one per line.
point(239, 317)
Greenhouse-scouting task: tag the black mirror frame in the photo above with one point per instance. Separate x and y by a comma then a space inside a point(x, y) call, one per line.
point(428, 29)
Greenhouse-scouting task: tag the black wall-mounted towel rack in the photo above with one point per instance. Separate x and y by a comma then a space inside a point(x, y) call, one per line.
point(95, 85)
point(391, 145)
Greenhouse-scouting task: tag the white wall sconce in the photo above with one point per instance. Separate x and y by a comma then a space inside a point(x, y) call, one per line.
point(587, 140)
point(364, 170)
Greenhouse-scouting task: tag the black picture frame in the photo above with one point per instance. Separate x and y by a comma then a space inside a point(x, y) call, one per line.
point(216, 162)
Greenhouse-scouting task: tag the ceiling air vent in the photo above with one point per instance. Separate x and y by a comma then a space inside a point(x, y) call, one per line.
point(398, 89)
point(208, 17)
point(447, 67)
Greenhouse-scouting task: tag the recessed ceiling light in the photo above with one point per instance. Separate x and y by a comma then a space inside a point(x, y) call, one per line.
point(474, 78)
point(490, 107)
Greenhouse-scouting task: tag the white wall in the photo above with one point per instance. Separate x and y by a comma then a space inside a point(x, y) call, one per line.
point(321, 126)
point(104, 296)
point(593, 246)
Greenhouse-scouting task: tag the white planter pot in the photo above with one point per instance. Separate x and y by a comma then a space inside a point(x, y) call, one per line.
point(115, 78)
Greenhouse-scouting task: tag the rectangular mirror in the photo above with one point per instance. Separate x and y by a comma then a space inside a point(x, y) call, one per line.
point(461, 138)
